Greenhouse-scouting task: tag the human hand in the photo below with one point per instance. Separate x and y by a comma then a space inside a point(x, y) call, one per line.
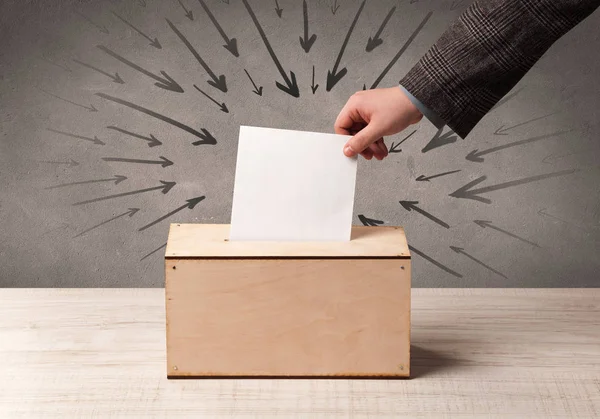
point(369, 115)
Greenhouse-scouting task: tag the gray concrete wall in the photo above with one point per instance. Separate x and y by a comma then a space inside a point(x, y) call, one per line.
point(541, 233)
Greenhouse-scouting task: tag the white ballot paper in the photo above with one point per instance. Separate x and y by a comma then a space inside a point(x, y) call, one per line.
point(292, 186)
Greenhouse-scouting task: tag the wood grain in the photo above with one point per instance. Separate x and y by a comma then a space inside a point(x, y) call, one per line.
point(519, 353)
point(288, 317)
point(211, 240)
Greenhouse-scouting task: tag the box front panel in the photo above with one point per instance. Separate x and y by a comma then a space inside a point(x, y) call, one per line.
point(291, 317)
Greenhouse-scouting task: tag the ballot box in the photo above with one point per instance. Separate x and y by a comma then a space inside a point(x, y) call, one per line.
point(287, 309)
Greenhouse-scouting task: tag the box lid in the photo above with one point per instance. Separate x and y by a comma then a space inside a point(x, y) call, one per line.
point(212, 241)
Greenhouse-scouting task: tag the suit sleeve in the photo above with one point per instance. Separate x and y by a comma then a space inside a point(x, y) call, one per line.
point(485, 52)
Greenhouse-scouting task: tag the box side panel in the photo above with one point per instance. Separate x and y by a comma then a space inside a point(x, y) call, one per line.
point(212, 240)
point(288, 317)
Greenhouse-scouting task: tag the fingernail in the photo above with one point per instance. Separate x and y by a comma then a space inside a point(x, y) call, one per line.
point(348, 151)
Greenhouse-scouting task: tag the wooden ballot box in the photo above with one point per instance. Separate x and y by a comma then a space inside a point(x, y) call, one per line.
point(250, 308)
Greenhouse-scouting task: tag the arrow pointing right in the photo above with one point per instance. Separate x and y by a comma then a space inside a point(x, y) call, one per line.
point(152, 141)
point(460, 250)
point(221, 105)
point(166, 187)
point(94, 140)
point(117, 179)
point(131, 213)
point(191, 203)
point(164, 162)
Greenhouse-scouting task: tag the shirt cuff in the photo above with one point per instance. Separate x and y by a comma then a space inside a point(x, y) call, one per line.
point(427, 113)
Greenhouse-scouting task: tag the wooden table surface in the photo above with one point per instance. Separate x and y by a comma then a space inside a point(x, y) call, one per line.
point(520, 353)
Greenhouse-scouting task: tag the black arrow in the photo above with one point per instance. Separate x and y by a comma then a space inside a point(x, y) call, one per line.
point(502, 130)
point(117, 179)
point(102, 28)
point(439, 140)
point(278, 9)
point(291, 86)
point(166, 83)
point(155, 250)
point(306, 42)
point(164, 162)
point(506, 99)
point(369, 221)
point(188, 13)
point(206, 136)
point(412, 205)
point(462, 251)
point(218, 82)
point(90, 108)
point(467, 193)
point(476, 155)
point(257, 90)
point(221, 105)
point(152, 141)
point(230, 44)
point(166, 187)
point(94, 140)
point(484, 224)
point(374, 42)
point(70, 163)
point(116, 78)
point(154, 42)
point(553, 157)
point(423, 178)
point(544, 213)
point(435, 262)
point(314, 86)
point(402, 50)
point(334, 7)
point(64, 67)
point(131, 213)
point(191, 203)
point(395, 149)
point(333, 77)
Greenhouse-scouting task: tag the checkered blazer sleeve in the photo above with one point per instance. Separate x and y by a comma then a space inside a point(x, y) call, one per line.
point(484, 53)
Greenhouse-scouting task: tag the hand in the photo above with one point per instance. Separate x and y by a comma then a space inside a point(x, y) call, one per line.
point(369, 115)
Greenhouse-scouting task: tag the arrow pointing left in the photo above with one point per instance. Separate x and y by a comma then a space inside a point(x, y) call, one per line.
point(131, 213)
point(369, 221)
point(191, 203)
point(412, 205)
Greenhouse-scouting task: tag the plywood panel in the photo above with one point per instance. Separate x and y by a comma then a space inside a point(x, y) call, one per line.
point(211, 240)
point(288, 317)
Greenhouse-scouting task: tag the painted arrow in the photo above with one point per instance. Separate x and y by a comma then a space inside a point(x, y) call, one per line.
point(94, 140)
point(90, 108)
point(334, 7)
point(115, 78)
point(165, 188)
point(477, 156)
point(64, 67)
point(101, 28)
point(423, 178)
point(554, 157)
point(257, 90)
point(307, 42)
point(502, 130)
point(278, 9)
point(466, 192)
point(206, 136)
point(188, 13)
point(221, 105)
point(333, 76)
point(191, 203)
point(313, 86)
point(402, 50)
point(164, 162)
point(484, 224)
point(435, 262)
point(152, 141)
point(130, 213)
point(291, 86)
point(217, 81)
point(460, 250)
point(117, 179)
point(395, 149)
point(155, 250)
point(369, 221)
point(70, 163)
point(166, 83)
point(230, 44)
point(154, 42)
point(412, 205)
point(374, 42)
point(506, 99)
point(439, 140)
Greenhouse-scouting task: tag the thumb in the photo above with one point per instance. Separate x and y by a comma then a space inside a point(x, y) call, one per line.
point(365, 137)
